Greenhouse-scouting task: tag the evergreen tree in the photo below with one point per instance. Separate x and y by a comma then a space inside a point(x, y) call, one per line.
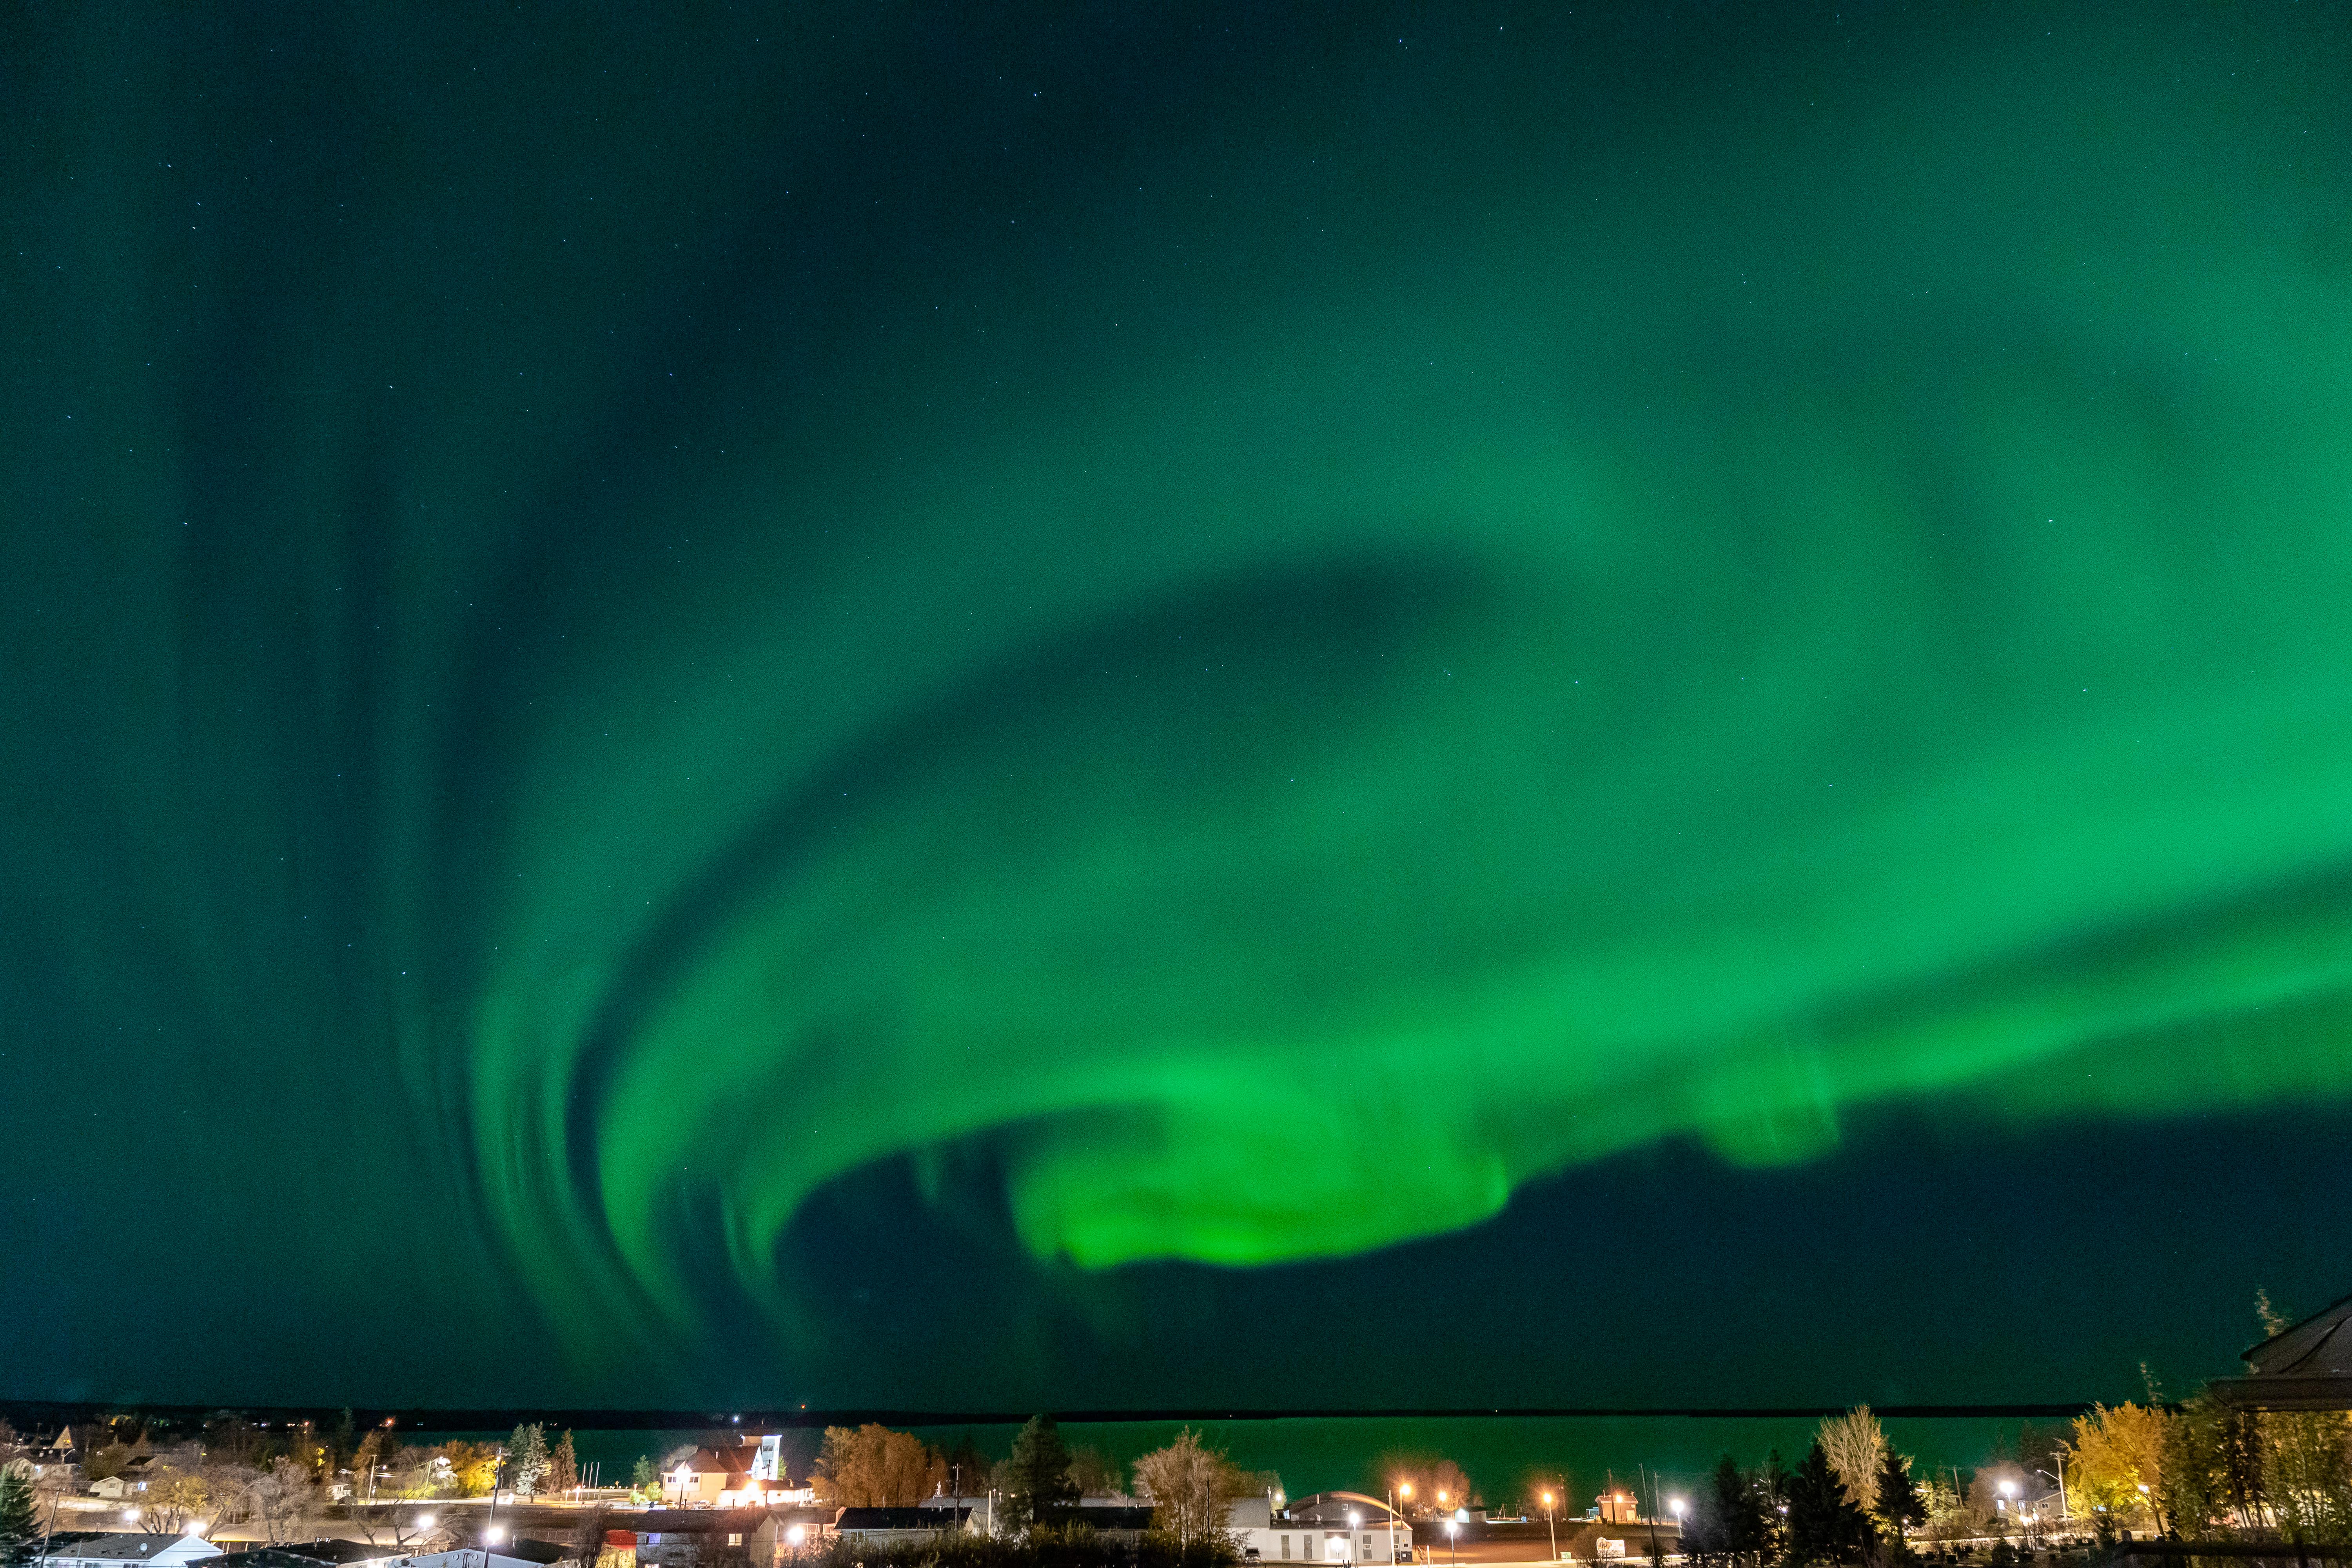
point(1772, 1501)
point(20, 1527)
point(1728, 1517)
point(1037, 1477)
point(527, 1459)
point(641, 1475)
point(1899, 1503)
point(1824, 1525)
point(1746, 1507)
point(562, 1466)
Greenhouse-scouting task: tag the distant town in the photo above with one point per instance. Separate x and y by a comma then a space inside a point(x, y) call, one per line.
point(2249, 1468)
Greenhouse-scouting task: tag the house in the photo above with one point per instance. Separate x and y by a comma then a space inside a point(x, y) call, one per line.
point(50, 1454)
point(746, 1473)
point(687, 1538)
point(804, 1528)
point(705, 1475)
point(128, 1482)
point(1329, 1526)
point(96, 1549)
point(472, 1557)
point(980, 1509)
point(2307, 1366)
point(755, 1491)
point(900, 1526)
point(319, 1553)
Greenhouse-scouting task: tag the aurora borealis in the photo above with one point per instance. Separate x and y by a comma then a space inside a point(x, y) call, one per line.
point(1195, 644)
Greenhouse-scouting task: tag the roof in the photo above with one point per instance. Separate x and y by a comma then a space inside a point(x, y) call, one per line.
point(900, 1519)
point(1135, 1516)
point(308, 1554)
point(803, 1513)
point(1333, 1507)
point(715, 1462)
point(697, 1520)
point(2307, 1366)
point(2317, 1346)
point(130, 1547)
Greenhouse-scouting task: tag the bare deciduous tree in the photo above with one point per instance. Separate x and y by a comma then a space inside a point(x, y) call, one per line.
point(1193, 1487)
point(1857, 1452)
point(284, 1499)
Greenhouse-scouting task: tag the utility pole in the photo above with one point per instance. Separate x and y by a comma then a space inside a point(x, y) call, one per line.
point(490, 1530)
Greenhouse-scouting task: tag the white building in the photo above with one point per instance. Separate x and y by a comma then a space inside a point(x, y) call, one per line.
point(1329, 1527)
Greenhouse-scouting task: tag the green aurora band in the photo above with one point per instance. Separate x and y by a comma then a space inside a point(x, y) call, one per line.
point(1449, 624)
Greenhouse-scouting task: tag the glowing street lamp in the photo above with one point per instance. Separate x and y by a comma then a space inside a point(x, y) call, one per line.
point(1552, 1525)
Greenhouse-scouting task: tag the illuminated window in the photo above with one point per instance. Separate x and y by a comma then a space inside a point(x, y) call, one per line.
point(734, 1540)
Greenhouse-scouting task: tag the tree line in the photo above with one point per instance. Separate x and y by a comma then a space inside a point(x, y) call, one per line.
point(286, 1482)
point(1188, 1486)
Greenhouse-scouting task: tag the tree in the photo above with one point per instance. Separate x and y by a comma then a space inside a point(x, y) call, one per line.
point(2116, 1453)
point(1037, 1477)
point(105, 1462)
point(1857, 1452)
point(1092, 1472)
point(642, 1479)
point(172, 1498)
point(342, 1443)
point(283, 1495)
point(473, 1467)
point(20, 1527)
point(562, 1466)
point(2240, 1465)
point(366, 1460)
point(527, 1459)
point(2307, 1466)
point(873, 1467)
point(1900, 1506)
point(1824, 1524)
point(1193, 1488)
point(968, 1468)
point(1727, 1522)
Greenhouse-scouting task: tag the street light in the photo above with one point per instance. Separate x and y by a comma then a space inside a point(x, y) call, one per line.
point(1453, 1530)
point(1396, 1487)
point(1551, 1525)
point(2147, 1501)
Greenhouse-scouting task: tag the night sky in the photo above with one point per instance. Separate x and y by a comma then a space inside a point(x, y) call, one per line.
point(1121, 706)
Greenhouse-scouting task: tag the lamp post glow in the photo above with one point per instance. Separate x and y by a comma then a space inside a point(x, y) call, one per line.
point(1551, 1525)
point(1395, 1489)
